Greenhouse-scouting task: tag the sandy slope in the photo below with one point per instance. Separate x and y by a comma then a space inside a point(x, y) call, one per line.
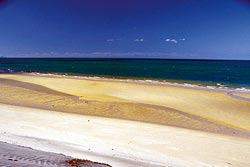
point(216, 107)
point(120, 142)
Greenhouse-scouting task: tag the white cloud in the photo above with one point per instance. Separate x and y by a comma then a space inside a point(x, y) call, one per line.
point(171, 40)
point(110, 40)
point(139, 40)
point(113, 40)
point(174, 41)
point(183, 39)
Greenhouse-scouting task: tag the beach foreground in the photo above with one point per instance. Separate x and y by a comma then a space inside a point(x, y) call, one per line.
point(126, 123)
point(13, 155)
point(119, 142)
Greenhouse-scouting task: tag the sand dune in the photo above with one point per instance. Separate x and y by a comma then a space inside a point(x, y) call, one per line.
point(210, 111)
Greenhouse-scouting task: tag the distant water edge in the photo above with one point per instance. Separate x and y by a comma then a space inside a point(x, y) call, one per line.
point(209, 73)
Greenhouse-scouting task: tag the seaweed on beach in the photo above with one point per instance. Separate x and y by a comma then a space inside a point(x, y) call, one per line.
point(86, 163)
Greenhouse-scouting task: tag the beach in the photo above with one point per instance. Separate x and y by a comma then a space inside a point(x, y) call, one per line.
point(126, 123)
point(14, 155)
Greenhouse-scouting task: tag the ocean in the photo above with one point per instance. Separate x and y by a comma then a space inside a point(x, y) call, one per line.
point(228, 73)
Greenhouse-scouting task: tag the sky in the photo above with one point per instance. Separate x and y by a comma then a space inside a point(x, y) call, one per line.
point(189, 29)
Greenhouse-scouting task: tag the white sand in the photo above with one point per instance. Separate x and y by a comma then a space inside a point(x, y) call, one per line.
point(120, 142)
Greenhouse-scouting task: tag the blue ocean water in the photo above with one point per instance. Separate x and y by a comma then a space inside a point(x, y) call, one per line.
point(233, 73)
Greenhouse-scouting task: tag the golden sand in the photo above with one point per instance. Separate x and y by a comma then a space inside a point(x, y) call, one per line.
point(203, 110)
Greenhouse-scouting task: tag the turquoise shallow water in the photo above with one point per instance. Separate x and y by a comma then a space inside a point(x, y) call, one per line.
point(205, 72)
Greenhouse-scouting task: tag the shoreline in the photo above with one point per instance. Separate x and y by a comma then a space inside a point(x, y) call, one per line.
point(159, 82)
point(231, 91)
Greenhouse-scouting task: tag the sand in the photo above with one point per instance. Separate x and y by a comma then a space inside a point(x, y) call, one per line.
point(120, 142)
point(205, 110)
point(125, 123)
point(13, 155)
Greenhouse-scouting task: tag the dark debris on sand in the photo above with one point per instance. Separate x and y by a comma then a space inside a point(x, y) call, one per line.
point(86, 163)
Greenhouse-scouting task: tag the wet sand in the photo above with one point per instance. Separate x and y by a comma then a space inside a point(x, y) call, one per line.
point(245, 97)
point(14, 155)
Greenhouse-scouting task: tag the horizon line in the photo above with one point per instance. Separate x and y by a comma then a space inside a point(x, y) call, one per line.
point(127, 58)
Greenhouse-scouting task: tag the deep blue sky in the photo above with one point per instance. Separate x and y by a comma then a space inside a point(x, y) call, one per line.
point(126, 28)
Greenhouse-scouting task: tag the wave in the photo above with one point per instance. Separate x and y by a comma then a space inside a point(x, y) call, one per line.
point(179, 83)
point(215, 87)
